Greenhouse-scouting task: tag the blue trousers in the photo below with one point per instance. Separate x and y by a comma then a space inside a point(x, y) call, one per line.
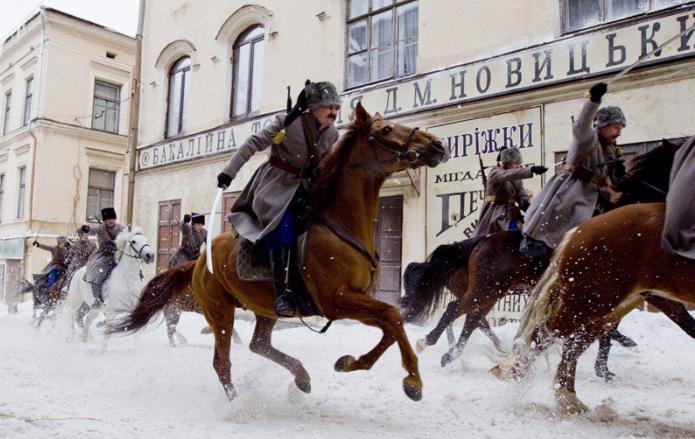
point(283, 236)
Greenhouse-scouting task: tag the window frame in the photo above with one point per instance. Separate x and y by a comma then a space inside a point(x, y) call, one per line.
point(6, 114)
point(100, 189)
point(2, 192)
point(173, 70)
point(21, 191)
point(236, 49)
point(117, 101)
point(28, 97)
point(394, 39)
point(603, 15)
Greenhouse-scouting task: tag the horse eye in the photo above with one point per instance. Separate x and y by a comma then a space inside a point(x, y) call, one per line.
point(386, 130)
point(132, 242)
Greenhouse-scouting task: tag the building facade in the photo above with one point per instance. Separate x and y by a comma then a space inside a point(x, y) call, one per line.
point(65, 86)
point(213, 73)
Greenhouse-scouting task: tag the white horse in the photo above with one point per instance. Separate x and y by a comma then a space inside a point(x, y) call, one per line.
point(121, 291)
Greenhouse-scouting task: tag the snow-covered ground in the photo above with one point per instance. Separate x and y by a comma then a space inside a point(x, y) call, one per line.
point(142, 388)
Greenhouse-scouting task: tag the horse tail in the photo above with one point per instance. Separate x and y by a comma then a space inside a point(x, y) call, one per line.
point(424, 282)
point(156, 294)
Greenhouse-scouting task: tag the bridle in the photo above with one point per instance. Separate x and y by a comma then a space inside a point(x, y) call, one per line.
point(138, 253)
point(403, 153)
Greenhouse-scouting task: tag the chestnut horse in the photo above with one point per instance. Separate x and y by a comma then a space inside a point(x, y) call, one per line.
point(340, 268)
point(480, 271)
point(601, 271)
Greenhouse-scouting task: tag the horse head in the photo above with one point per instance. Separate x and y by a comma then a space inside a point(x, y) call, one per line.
point(397, 146)
point(134, 244)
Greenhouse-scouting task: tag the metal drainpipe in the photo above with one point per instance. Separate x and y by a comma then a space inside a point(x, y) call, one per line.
point(134, 115)
point(31, 132)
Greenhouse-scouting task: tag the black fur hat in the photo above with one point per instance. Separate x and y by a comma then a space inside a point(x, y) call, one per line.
point(197, 218)
point(108, 213)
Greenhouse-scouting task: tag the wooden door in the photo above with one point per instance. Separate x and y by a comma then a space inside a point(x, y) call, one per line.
point(389, 237)
point(168, 233)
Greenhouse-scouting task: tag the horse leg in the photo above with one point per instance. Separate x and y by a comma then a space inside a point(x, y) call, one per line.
point(450, 337)
point(89, 318)
point(351, 304)
point(172, 315)
point(472, 322)
point(451, 313)
point(674, 311)
point(601, 364)
point(623, 339)
point(261, 344)
point(485, 328)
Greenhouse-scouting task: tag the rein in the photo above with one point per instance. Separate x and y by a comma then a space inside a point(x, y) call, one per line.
point(138, 254)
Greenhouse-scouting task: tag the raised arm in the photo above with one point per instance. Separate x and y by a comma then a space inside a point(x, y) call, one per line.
point(257, 142)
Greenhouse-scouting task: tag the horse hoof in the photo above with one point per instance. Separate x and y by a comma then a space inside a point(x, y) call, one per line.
point(206, 330)
point(304, 386)
point(421, 345)
point(446, 359)
point(413, 388)
point(344, 363)
point(606, 374)
point(568, 403)
point(231, 393)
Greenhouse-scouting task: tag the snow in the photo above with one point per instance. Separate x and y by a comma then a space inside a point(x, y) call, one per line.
point(142, 388)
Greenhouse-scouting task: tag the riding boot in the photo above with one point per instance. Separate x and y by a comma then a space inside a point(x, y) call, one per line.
point(284, 304)
point(96, 291)
point(534, 248)
point(81, 312)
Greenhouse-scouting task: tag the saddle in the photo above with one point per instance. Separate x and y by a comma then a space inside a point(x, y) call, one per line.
point(253, 265)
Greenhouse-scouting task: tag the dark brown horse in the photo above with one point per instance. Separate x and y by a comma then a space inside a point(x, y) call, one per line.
point(340, 267)
point(602, 270)
point(480, 271)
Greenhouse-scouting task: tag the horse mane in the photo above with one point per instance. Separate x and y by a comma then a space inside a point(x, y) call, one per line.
point(330, 169)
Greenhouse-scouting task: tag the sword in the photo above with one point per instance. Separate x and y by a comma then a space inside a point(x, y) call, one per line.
point(208, 244)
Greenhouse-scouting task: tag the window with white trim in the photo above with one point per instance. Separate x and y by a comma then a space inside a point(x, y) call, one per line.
point(382, 40)
point(247, 82)
point(22, 192)
point(107, 106)
point(581, 14)
point(100, 191)
point(177, 101)
point(27, 101)
point(6, 115)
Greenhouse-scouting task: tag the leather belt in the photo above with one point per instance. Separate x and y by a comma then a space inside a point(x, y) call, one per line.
point(280, 164)
point(594, 179)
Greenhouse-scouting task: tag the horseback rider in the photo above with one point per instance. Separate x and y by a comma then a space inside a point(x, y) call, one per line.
point(505, 196)
point(678, 236)
point(193, 235)
point(78, 254)
point(56, 267)
point(102, 261)
point(571, 195)
point(269, 207)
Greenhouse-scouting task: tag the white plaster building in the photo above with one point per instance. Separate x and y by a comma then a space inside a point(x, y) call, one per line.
point(479, 76)
point(64, 90)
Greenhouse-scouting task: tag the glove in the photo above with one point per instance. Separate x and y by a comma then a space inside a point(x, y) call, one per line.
point(524, 205)
point(85, 229)
point(597, 91)
point(187, 218)
point(223, 180)
point(35, 243)
point(109, 247)
point(538, 170)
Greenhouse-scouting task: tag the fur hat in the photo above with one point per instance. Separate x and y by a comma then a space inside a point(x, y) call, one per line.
point(509, 155)
point(609, 115)
point(321, 94)
point(108, 213)
point(197, 218)
point(83, 230)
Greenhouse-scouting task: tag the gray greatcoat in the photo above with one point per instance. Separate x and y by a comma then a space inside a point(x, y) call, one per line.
point(102, 261)
point(58, 258)
point(260, 207)
point(190, 245)
point(679, 224)
point(504, 193)
point(566, 200)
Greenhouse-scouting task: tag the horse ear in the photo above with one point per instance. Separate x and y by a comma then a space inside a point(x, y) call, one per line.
point(670, 145)
point(361, 115)
point(378, 116)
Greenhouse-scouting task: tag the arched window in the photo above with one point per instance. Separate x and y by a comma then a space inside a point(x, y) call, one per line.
point(177, 103)
point(248, 72)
